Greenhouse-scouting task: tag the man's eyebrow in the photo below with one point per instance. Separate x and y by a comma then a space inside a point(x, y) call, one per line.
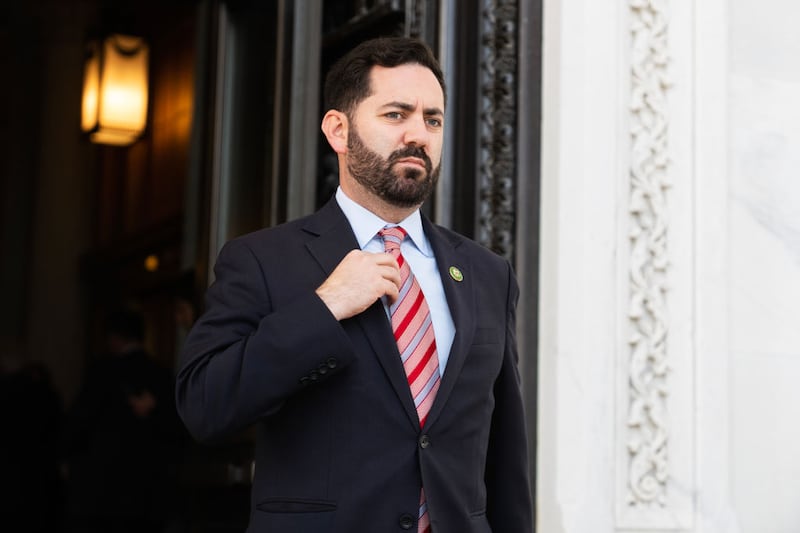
point(399, 105)
point(409, 107)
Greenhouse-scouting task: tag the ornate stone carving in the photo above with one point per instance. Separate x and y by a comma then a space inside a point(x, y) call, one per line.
point(497, 126)
point(648, 386)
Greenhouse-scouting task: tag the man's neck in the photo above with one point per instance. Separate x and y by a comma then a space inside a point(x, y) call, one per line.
point(366, 199)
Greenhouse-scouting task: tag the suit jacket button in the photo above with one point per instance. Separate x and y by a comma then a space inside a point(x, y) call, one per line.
point(322, 369)
point(424, 442)
point(314, 375)
point(304, 380)
point(332, 362)
point(406, 521)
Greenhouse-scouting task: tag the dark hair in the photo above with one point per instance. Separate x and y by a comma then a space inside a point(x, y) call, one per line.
point(348, 80)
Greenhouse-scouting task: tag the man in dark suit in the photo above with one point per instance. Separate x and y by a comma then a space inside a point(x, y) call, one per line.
point(383, 386)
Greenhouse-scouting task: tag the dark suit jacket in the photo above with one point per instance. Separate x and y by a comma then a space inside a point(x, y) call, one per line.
point(339, 447)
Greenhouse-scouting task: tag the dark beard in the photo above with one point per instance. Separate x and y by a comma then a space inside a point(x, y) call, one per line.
point(406, 188)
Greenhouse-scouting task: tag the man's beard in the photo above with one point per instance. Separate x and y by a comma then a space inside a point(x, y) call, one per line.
point(401, 188)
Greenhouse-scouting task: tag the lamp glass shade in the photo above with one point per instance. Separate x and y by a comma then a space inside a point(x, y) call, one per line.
point(91, 89)
point(115, 90)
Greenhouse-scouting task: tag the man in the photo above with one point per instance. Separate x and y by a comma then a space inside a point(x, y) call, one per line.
point(122, 437)
point(384, 398)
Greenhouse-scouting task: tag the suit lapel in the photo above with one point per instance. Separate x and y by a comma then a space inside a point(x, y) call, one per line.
point(461, 301)
point(378, 330)
point(334, 239)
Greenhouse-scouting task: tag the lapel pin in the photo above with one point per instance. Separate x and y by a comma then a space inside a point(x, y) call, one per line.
point(456, 274)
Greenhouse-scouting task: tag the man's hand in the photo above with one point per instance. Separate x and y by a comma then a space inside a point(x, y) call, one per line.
point(359, 280)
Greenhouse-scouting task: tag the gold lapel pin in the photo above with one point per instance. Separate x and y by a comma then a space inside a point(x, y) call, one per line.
point(456, 273)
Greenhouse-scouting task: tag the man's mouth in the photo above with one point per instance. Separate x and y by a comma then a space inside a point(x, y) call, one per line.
point(412, 161)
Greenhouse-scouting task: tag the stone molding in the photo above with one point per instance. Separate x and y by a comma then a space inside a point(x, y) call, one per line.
point(648, 435)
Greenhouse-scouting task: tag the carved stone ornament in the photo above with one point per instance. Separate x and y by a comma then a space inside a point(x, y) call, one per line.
point(647, 426)
point(497, 126)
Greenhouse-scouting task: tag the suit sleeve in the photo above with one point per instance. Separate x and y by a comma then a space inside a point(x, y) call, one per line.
point(244, 357)
point(509, 505)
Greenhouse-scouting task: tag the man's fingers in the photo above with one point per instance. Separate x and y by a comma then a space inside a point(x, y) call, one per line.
point(358, 280)
point(392, 291)
point(391, 273)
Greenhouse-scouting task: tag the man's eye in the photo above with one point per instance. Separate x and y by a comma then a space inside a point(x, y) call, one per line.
point(434, 122)
point(393, 115)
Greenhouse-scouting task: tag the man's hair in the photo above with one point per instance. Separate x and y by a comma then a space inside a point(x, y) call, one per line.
point(348, 80)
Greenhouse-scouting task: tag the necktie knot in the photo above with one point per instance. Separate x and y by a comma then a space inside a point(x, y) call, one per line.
point(392, 237)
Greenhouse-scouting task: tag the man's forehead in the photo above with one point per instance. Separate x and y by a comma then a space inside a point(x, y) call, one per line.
point(406, 83)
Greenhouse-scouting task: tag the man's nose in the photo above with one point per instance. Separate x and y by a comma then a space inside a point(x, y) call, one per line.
point(417, 132)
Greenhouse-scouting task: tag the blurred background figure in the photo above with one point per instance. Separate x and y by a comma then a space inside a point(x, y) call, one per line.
point(30, 410)
point(121, 438)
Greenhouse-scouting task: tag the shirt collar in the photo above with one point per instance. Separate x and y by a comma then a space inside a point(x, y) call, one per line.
point(366, 224)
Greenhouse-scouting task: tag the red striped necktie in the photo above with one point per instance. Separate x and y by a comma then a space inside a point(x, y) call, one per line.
point(413, 331)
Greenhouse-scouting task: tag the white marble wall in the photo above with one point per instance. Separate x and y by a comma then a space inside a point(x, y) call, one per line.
point(732, 402)
point(764, 286)
point(581, 98)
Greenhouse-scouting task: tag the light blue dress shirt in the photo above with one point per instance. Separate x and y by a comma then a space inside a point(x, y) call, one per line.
point(418, 252)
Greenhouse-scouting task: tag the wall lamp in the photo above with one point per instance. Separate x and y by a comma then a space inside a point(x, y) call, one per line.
point(114, 109)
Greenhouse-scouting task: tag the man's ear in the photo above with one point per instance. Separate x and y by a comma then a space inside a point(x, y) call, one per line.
point(335, 127)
